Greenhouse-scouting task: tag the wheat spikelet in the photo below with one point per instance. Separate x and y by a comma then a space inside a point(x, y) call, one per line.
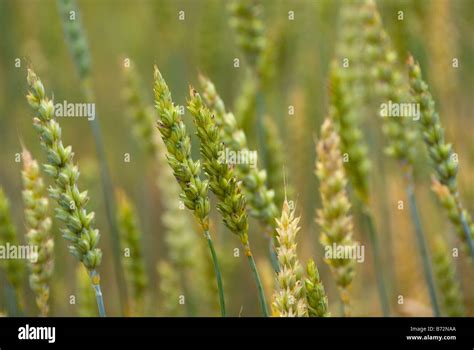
point(441, 154)
point(334, 218)
point(289, 298)
point(316, 297)
point(14, 268)
point(133, 260)
point(352, 142)
point(447, 282)
point(249, 28)
point(79, 229)
point(38, 225)
point(223, 182)
point(260, 197)
point(178, 145)
point(185, 170)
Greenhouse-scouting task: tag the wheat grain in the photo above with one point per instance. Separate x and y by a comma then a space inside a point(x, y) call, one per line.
point(79, 229)
point(38, 225)
point(334, 218)
point(289, 299)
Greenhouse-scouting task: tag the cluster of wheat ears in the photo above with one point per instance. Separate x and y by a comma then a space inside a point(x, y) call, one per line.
point(365, 67)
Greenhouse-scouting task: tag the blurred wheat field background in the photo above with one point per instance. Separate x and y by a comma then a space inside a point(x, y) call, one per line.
point(302, 83)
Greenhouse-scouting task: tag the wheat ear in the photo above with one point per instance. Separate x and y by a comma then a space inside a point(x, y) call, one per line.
point(316, 297)
point(38, 225)
point(14, 268)
point(447, 282)
point(334, 218)
point(75, 37)
point(79, 230)
point(223, 182)
point(185, 169)
point(440, 152)
point(402, 138)
point(131, 236)
point(289, 299)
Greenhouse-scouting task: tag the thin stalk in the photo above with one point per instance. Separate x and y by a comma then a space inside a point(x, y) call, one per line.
point(261, 294)
point(100, 300)
point(467, 231)
point(217, 270)
point(423, 247)
point(377, 261)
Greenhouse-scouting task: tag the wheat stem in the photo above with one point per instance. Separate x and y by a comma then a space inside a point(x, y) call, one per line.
point(422, 246)
point(261, 293)
point(217, 271)
point(369, 220)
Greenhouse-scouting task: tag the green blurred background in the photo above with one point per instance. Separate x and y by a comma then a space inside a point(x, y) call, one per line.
point(149, 32)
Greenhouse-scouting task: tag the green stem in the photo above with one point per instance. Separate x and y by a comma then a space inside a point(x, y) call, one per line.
point(378, 265)
point(217, 270)
point(98, 294)
point(261, 294)
point(100, 300)
point(467, 230)
point(422, 246)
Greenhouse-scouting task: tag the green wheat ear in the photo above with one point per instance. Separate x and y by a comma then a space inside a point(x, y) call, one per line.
point(133, 263)
point(14, 268)
point(185, 169)
point(441, 156)
point(447, 282)
point(223, 181)
point(79, 229)
point(260, 198)
point(38, 225)
point(316, 297)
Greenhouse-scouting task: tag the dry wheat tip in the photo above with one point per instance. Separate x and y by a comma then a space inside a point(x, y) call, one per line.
point(79, 230)
point(38, 225)
point(178, 145)
point(289, 299)
point(222, 181)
